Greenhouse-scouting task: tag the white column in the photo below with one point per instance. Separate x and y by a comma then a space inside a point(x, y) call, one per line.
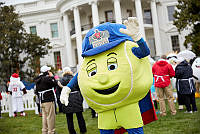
point(156, 28)
point(95, 14)
point(68, 44)
point(41, 30)
point(78, 33)
point(117, 9)
point(139, 15)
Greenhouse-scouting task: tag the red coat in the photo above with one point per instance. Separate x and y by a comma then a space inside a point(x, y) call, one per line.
point(162, 72)
point(0, 96)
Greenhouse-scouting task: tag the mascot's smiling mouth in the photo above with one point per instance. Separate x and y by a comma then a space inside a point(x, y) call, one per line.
point(108, 91)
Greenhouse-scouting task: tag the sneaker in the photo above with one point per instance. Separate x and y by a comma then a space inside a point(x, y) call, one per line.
point(23, 114)
point(82, 132)
point(15, 115)
point(162, 115)
point(195, 111)
point(173, 113)
point(190, 112)
point(180, 107)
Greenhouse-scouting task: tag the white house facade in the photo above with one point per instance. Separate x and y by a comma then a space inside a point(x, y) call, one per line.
point(65, 23)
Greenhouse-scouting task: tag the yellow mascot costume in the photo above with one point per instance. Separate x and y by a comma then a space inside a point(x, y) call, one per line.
point(114, 76)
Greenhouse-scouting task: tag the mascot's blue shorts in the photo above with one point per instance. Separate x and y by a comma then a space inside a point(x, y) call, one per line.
point(130, 131)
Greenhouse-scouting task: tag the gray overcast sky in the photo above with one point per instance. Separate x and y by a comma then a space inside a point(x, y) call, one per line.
point(9, 2)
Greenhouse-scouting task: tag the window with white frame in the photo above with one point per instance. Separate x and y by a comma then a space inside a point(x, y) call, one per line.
point(57, 60)
point(147, 17)
point(109, 16)
point(54, 30)
point(33, 30)
point(129, 13)
point(175, 43)
point(170, 10)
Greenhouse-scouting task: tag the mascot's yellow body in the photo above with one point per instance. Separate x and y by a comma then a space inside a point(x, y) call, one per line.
point(113, 82)
point(114, 76)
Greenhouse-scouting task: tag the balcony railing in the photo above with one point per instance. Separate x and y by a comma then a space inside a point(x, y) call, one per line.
point(83, 28)
point(89, 26)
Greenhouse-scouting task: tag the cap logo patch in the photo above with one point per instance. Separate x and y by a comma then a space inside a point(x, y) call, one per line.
point(99, 38)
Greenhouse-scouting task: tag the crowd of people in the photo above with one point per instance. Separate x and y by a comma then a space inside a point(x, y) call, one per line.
point(48, 90)
point(185, 82)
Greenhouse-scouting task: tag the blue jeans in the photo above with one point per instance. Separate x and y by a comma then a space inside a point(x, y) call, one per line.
point(130, 131)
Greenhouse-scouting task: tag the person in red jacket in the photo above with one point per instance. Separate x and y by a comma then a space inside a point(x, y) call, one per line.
point(162, 72)
point(0, 104)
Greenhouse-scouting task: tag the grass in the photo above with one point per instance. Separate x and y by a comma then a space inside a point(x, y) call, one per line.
point(181, 123)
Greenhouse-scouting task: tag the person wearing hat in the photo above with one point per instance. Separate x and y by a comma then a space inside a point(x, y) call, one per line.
point(17, 89)
point(45, 84)
point(75, 103)
point(185, 84)
point(115, 77)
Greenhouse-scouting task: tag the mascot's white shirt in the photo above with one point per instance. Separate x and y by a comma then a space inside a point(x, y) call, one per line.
point(196, 68)
point(15, 87)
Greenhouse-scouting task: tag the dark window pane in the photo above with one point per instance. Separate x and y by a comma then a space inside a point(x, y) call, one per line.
point(57, 60)
point(175, 43)
point(33, 30)
point(109, 16)
point(76, 55)
point(170, 10)
point(147, 17)
point(151, 44)
point(54, 30)
point(129, 12)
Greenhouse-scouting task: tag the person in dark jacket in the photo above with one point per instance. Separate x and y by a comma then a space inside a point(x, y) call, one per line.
point(37, 101)
point(45, 84)
point(185, 85)
point(74, 105)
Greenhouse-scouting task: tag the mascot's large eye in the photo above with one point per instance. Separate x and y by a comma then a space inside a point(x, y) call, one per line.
point(91, 69)
point(93, 72)
point(112, 66)
point(112, 63)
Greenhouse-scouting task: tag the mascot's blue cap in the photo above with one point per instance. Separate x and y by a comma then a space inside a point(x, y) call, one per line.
point(102, 38)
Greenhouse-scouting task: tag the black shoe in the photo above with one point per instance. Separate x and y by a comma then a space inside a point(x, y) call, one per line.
point(83, 132)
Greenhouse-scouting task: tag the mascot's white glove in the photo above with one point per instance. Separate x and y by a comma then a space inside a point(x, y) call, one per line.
point(132, 28)
point(65, 95)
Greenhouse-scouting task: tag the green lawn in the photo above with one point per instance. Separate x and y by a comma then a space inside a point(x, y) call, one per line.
point(31, 124)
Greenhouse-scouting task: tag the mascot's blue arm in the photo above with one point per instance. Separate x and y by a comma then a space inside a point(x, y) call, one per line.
point(141, 51)
point(73, 82)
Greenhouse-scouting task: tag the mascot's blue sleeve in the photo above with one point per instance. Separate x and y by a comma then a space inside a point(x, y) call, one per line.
point(141, 51)
point(73, 82)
